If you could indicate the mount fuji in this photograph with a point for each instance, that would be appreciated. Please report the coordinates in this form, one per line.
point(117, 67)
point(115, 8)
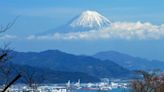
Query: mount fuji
point(86, 21)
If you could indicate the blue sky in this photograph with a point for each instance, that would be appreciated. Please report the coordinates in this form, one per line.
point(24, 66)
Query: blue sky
point(38, 16)
point(51, 13)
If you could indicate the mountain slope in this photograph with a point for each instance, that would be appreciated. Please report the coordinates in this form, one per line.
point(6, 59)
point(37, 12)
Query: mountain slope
point(130, 62)
point(45, 75)
point(86, 21)
point(60, 61)
point(90, 19)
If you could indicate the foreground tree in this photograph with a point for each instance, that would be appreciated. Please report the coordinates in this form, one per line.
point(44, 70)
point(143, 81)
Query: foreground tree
point(32, 78)
point(4, 50)
point(150, 82)
point(6, 71)
point(9, 73)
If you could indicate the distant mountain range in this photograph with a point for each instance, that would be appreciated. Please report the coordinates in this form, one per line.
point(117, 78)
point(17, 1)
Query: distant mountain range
point(59, 66)
point(56, 60)
point(130, 62)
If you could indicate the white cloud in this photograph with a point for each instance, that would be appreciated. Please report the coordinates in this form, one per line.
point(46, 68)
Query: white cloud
point(117, 30)
point(138, 30)
point(7, 37)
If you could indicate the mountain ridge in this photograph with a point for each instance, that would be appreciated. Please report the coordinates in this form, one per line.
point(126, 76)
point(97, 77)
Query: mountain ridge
point(61, 61)
point(130, 62)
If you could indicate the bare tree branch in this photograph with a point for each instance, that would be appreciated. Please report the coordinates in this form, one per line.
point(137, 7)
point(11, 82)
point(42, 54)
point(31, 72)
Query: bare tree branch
point(8, 26)
point(150, 82)
point(4, 53)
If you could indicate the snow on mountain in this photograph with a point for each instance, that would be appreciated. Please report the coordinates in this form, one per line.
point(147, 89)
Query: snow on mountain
point(86, 21)
point(90, 19)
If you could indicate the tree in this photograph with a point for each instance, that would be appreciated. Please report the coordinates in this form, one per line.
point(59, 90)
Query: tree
point(150, 82)
point(32, 78)
point(4, 52)
point(8, 26)
point(5, 68)
point(6, 72)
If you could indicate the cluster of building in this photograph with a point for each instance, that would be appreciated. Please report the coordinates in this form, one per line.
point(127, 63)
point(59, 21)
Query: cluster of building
point(105, 85)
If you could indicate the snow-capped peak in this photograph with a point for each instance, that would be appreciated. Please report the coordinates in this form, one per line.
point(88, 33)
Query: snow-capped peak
point(90, 19)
